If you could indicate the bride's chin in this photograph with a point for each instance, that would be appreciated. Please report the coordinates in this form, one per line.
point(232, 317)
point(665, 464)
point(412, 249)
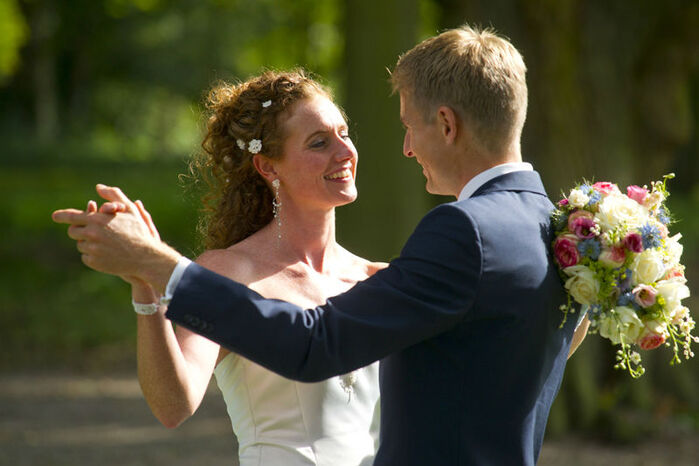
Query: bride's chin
point(347, 198)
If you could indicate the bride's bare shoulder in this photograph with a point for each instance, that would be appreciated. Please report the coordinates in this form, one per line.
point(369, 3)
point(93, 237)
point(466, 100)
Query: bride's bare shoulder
point(366, 266)
point(373, 267)
point(236, 262)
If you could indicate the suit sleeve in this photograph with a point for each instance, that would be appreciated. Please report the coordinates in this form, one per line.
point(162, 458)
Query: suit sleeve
point(425, 291)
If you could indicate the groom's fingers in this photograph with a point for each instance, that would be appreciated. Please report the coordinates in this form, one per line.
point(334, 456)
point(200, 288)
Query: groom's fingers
point(70, 216)
point(77, 232)
point(113, 208)
point(148, 219)
point(114, 194)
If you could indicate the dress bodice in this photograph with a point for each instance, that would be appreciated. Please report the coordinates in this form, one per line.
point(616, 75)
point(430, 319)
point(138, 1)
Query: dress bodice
point(279, 421)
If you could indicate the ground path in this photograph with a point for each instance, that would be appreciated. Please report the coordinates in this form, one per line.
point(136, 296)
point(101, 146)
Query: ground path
point(68, 419)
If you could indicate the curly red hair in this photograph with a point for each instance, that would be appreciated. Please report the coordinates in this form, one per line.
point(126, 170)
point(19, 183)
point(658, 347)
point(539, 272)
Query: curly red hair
point(238, 201)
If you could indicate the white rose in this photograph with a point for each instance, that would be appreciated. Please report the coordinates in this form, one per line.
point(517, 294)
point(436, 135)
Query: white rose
point(617, 210)
point(674, 249)
point(657, 327)
point(578, 198)
point(621, 321)
point(582, 285)
point(673, 291)
point(647, 267)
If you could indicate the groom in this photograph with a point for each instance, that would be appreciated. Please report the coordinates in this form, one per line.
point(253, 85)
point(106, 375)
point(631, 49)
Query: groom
point(465, 321)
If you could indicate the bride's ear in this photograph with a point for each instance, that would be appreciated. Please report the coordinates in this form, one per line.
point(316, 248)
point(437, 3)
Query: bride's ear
point(265, 167)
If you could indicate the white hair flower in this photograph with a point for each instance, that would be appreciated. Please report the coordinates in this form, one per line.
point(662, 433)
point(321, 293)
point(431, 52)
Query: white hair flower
point(255, 146)
point(241, 144)
point(266, 103)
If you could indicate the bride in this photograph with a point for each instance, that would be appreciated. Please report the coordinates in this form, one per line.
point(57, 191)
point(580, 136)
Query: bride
point(278, 159)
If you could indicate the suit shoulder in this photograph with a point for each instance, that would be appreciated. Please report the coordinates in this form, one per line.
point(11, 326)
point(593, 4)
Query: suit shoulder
point(457, 209)
point(446, 227)
point(454, 214)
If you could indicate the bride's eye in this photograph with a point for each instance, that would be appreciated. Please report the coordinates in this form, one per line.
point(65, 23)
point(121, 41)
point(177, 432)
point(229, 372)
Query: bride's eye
point(317, 144)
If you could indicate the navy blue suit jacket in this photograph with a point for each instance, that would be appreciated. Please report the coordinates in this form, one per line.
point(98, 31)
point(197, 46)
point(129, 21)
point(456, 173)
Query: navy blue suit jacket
point(465, 322)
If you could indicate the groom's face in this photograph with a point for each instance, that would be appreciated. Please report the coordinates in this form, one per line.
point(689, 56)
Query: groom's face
point(422, 141)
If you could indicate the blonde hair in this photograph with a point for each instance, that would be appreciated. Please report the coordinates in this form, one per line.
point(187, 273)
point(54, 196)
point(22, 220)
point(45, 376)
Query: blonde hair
point(238, 201)
point(477, 73)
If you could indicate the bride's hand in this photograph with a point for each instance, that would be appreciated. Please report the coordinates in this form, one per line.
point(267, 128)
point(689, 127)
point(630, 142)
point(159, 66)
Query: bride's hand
point(140, 288)
point(116, 207)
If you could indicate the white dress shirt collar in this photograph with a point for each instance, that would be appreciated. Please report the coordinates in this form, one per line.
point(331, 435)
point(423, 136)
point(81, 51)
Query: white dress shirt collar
point(493, 172)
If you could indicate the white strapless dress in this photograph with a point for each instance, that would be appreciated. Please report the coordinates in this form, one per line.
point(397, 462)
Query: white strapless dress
point(280, 422)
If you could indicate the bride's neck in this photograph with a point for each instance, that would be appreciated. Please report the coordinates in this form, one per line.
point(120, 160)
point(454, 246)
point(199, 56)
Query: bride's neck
point(307, 236)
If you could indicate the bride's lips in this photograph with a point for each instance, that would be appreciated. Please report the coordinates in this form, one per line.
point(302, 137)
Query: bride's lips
point(340, 176)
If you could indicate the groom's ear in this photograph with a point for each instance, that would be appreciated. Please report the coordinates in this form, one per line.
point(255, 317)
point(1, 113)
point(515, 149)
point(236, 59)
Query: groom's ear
point(264, 167)
point(448, 123)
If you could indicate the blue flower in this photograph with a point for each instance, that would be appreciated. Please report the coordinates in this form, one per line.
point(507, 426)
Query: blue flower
point(586, 188)
point(595, 197)
point(651, 236)
point(625, 299)
point(589, 248)
point(625, 280)
point(628, 299)
point(663, 217)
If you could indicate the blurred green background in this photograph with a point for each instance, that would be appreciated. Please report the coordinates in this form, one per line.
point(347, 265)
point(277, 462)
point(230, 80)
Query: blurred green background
point(110, 91)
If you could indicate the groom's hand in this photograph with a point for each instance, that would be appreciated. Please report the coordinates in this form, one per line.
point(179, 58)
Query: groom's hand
point(120, 239)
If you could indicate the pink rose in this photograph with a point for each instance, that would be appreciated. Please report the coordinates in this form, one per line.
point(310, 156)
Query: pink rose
point(633, 242)
point(651, 341)
point(565, 250)
point(583, 228)
point(637, 193)
point(674, 272)
point(580, 213)
point(613, 257)
point(652, 335)
point(605, 187)
point(644, 295)
point(563, 202)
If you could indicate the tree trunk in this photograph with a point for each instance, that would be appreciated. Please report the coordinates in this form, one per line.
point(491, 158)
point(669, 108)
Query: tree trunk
point(391, 189)
point(44, 21)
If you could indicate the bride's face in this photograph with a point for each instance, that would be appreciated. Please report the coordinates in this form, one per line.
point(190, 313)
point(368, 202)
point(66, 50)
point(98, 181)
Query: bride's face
point(319, 161)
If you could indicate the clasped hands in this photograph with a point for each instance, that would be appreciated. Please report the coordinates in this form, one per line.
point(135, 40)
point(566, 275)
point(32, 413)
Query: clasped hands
point(120, 238)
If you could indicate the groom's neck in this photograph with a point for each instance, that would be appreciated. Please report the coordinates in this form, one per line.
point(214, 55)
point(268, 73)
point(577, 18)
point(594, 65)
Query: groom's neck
point(475, 163)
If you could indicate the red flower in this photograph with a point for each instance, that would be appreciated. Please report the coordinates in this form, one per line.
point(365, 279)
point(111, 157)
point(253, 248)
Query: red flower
point(634, 242)
point(565, 250)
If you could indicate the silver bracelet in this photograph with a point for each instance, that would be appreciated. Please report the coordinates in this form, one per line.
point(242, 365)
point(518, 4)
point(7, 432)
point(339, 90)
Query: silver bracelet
point(147, 309)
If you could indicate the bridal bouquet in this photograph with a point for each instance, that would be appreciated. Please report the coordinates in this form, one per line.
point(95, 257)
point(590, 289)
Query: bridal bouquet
point(619, 262)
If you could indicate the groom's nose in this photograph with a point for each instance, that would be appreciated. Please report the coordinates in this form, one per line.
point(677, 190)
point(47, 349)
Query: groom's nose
point(407, 151)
